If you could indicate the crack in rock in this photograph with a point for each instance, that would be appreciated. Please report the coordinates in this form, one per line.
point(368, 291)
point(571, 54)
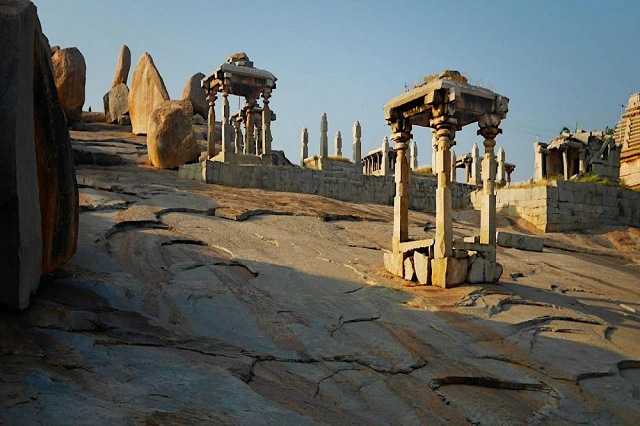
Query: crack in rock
point(134, 225)
point(350, 321)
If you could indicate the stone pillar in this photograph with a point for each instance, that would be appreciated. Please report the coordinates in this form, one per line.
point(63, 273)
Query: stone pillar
point(257, 123)
point(249, 128)
point(266, 123)
point(324, 137)
point(304, 142)
point(338, 144)
point(357, 143)
point(414, 155)
point(226, 128)
point(401, 135)
point(384, 166)
point(444, 125)
point(583, 166)
point(565, 163)
point(237, 135)
point(212, 94)
point(500, 177)
point(434, 154)
point(454, 176)
point(489, 130)
point(476, 177)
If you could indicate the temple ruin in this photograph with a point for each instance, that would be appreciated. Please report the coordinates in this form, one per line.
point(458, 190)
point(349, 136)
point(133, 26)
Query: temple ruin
point(445, 103)
point(237, 76)
point(571, 154)
point(471, 164)
point(628, 136)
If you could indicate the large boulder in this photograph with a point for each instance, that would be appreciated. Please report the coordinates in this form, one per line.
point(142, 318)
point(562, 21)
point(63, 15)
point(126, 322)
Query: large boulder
point(122, 67)
point(116, 103)
point(171, 141)
point(195, 93)
point(38, 192)
point(146, 93)
point(70, 73)
point(21, 242)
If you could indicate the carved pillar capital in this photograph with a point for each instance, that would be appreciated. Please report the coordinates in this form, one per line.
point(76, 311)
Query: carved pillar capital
point(401, 128)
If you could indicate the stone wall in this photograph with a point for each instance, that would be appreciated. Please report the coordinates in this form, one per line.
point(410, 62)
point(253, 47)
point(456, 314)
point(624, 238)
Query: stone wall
point(565, 205)
point(340, 184)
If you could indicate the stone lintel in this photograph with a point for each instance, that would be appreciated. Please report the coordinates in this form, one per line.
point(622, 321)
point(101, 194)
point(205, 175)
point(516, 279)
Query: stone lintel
point(410, 246)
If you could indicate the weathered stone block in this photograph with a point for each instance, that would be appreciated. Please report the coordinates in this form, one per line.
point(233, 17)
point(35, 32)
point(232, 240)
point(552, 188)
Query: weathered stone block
point(409, 271)
point(422, 266)
point(394, 263)
point(519, 241)
point(448, 272)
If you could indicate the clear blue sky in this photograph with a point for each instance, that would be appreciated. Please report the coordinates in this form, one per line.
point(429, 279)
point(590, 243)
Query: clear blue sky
point(559, 61)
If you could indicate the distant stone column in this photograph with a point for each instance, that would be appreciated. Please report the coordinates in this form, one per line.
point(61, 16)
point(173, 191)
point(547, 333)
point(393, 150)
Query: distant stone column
point(266, 123)
point(324, 137)
point(539, 162)
point(338, 144)
point(565, 163)
point(304, 142)
point(249, 128)
point(454, 174)
point(489, 130)
point(357, 143)
point(212, 95)
point(226, 127)
point(444, 124)
point(384, 167)
point(583, 167)
point(476, 177)
point(500, 176)
point(401, 135)
point(237, 136)
point(414, 155)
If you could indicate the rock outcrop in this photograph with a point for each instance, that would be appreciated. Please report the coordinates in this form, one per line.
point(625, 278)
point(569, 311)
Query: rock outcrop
point(147, 91)
point(122, 67)
point(38, 191)
point(195, 93)
point(70, 73)
point(21, 242)
point(171, 141)
point(116, 103)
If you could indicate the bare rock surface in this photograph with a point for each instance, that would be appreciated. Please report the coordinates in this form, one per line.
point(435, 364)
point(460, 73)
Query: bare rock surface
point(147, 91)
point(171, 141)
point(70, 73)
point(194, 93)
point(189, 303)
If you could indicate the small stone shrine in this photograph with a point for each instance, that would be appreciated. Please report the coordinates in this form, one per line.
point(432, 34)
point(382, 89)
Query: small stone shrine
point(445, 103)
point(238, 77)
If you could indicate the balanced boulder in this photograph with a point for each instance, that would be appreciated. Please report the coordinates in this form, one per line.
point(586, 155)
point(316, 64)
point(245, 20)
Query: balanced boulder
point(116, 103)
point(195, 93)
point(147, 91)
point(122, 67)
point(171, 141)
point(70, 73)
